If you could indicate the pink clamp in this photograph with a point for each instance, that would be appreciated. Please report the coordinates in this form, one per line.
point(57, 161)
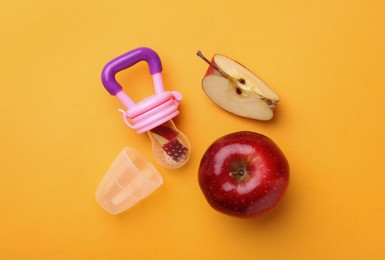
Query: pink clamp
point(151, 111)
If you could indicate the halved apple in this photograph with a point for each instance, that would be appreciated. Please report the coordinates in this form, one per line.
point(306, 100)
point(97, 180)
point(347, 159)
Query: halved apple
point(237, 90)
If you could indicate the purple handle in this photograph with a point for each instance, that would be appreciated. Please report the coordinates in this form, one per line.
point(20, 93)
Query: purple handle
point(125, 61)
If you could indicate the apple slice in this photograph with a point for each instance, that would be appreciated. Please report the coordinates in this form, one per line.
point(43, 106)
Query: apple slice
point(237, 90)
point(165, 132)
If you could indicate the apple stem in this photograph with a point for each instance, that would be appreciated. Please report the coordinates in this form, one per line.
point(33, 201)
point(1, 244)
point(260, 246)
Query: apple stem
point(200, 54)
point(238, 174)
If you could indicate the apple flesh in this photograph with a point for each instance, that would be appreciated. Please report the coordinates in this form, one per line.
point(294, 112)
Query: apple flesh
point(237, 90)
point(243, 174)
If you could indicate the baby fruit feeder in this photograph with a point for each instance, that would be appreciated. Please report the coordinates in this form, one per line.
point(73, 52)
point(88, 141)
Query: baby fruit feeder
point(131, 177)
point(153, 114)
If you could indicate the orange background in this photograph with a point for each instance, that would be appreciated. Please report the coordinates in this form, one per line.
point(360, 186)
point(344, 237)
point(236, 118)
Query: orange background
point(60, 129)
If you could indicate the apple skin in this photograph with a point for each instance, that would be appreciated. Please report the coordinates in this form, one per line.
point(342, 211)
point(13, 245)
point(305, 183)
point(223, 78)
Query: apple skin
point(211, 70)
point(243, 174)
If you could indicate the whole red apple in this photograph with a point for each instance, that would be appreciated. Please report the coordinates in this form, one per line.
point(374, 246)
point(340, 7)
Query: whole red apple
point(243, 174)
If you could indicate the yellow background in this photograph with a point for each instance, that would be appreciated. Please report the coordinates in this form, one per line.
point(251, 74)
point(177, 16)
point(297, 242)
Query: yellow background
point(60, 129)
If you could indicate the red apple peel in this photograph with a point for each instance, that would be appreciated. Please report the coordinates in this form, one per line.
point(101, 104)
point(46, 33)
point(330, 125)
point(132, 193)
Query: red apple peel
point(243, 174)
